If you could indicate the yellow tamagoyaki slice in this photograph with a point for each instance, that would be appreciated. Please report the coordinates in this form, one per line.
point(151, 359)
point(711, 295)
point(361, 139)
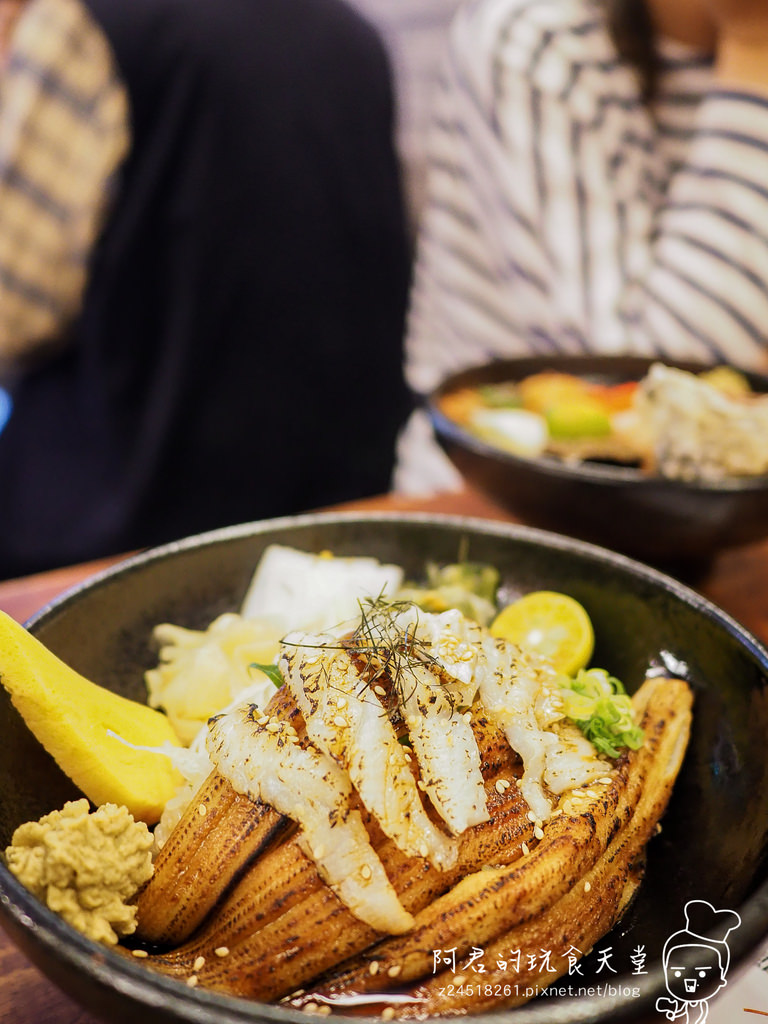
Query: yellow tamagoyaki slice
point(73, 719)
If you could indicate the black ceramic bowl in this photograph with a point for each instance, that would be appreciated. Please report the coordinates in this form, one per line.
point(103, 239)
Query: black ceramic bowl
point(660, 521)
point(713, 843)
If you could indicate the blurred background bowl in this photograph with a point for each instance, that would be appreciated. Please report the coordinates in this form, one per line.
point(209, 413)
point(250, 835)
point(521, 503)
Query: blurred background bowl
point(669, 523)
point(715, 835)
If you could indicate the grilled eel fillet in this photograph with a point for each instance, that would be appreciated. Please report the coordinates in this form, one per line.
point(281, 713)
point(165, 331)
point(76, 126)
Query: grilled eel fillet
point(269, 924)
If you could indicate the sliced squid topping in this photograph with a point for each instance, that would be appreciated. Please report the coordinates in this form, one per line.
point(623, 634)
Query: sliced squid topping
point(346, 720)
point(262, 758)
point(446, 749)
point(437, 690)
point(520, 694)
point(450, 643)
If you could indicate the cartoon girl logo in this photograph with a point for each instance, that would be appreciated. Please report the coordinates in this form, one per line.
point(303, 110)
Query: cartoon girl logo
point(696, 961)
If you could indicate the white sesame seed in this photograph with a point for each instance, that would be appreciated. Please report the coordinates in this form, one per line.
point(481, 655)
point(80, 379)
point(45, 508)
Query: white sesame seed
point(192, 980)
point(140, 953)
point(202, 810)
point(341, 703)
point(388, 1013)
point(499, 787)
point(531, 816)
point(538, 832)
point(606, 780)
point(263, 720)
point(273, 727)
point(373, 967)
point(365, 871)
point(198, 964)
point(221, 951)
point(380, 690)
point(339, 722)
point(587, 886)
point(524, 848)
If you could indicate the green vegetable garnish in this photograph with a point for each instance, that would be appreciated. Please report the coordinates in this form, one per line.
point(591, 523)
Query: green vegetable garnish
point(599, 705)
point(272, 671)
point(468, 586)
point(583, 417)
point(501, 396)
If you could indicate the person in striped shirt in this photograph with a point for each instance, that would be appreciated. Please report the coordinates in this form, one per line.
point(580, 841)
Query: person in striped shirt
point(598, 182)
point(414, 31)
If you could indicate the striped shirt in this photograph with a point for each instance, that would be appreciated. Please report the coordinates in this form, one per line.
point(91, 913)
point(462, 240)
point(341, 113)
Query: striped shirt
point(415, 32)
point(564, 217)
point(64, 130)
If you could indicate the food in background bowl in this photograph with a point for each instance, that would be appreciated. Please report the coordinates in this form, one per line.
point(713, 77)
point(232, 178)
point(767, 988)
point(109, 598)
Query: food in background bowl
point(678, 522)
point(708, 426)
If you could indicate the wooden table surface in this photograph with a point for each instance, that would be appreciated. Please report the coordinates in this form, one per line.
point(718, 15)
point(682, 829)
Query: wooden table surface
point(737, 581)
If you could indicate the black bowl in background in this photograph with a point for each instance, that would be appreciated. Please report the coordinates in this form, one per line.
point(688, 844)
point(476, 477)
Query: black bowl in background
point(666, 522)
point(715, 836)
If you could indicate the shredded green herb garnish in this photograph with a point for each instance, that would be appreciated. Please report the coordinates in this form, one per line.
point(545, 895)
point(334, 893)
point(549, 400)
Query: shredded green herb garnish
point(599, 705)
point(384, 647)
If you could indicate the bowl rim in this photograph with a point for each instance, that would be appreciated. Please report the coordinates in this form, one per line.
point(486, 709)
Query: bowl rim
point(34, 925)
point(586, 470)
